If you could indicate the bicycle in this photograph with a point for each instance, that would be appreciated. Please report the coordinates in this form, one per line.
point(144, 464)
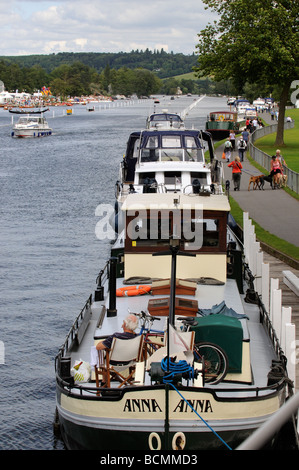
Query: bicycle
point(212, 356)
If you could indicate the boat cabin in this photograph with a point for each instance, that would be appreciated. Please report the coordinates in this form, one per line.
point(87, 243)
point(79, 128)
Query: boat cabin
point(168, 160)
point(198, 224)
point(223, 116)
point(28, 121)
point(164, 120)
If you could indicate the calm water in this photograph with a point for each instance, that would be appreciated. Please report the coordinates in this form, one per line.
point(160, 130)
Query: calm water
point(50, 256)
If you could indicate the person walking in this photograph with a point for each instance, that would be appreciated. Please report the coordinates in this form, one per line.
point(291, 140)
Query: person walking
point(232, 138)
point(236, 172)
point(228, 149)
point(245, 135)
point(241, 145)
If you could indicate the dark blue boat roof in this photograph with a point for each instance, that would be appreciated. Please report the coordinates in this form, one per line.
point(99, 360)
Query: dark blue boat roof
point(165, 117)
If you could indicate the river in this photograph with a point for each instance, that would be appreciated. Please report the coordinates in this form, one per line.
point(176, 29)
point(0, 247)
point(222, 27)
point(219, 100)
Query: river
point(50, 256)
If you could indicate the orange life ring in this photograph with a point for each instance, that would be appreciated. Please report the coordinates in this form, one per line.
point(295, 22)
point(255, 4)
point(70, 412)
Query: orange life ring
point(132, 290)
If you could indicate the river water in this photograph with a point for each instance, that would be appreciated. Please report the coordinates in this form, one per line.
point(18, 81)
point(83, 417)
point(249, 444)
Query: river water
point(50, 256)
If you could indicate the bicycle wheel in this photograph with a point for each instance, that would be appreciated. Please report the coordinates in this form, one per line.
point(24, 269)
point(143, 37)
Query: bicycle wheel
point(215, 361)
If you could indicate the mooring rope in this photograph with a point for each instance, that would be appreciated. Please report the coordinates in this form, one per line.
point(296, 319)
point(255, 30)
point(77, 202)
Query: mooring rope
point(179, 368)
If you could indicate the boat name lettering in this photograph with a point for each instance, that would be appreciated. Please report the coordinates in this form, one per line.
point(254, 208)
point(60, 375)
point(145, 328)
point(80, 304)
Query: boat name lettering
point(150, 405)
point(203, 406)
point(142, 405)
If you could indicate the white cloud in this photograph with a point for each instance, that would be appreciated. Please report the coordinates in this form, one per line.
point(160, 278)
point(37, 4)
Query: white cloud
point(43, 26)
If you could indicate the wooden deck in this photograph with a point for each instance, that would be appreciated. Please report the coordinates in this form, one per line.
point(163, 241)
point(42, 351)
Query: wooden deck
point(289, 298)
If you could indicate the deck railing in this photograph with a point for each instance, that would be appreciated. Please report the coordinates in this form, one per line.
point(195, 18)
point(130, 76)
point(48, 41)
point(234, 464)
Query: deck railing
point(283, 331)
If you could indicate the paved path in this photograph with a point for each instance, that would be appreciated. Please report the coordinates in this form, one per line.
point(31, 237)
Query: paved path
point(274, 210)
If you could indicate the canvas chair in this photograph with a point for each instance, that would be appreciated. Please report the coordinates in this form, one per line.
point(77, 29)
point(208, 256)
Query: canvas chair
point(123, 355)
point(187, 337)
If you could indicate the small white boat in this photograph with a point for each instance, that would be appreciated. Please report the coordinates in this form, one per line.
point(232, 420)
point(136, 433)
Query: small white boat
point(31, 125)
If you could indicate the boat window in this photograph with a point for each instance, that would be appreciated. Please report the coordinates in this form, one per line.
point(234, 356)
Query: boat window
point(172, 177)
point(198, 175)
point(143, 177)
point(171, 141)
point(136, 148)
point(193, 153)
point(144, 232)
point(171, 148)
point(150, 152)
point(207, 233)
point(149, 232)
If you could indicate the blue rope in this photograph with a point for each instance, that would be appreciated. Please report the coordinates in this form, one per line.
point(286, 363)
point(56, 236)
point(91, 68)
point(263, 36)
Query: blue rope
point(182, 367)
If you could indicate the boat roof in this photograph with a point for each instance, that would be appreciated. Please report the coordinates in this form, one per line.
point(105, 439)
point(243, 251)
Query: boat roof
point(190, 132)
point(224, 112)
point(171, 201)
point(241, 100)
point(165, 117)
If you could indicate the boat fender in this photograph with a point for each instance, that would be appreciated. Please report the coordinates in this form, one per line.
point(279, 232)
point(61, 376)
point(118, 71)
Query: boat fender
point(154, 437)
point(132, 290)
point(178, 441)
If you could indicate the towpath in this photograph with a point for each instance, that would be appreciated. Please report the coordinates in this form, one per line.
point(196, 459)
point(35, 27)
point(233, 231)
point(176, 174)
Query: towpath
point(274, 210)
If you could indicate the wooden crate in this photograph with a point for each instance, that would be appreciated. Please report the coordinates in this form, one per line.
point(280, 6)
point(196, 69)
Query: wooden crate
point(183, 307)
point(162, 287)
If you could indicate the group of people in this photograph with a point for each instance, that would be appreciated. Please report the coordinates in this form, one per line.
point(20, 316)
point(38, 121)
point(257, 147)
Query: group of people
point(277, 163)
point(230, 145)
point(253, 124)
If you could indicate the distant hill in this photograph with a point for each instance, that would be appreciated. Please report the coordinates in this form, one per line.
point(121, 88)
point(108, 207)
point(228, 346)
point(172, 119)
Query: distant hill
point(162, 63)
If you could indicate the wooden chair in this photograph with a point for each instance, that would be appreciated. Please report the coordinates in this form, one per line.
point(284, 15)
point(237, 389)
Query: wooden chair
point(124, 354)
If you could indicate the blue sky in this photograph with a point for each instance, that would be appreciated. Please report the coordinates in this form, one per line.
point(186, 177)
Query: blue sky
point(46, 27)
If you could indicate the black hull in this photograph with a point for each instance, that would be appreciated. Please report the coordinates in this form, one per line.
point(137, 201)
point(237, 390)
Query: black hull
point(79, 437)
point(220, 134)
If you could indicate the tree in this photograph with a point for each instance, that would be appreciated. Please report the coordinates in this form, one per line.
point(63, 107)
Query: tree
point(254, 42)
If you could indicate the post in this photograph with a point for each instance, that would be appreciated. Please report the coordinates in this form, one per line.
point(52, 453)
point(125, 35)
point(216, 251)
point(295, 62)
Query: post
point(286, 317)
point(265, 286)
point(112, 311)
point(274, 284)
point(277, 298)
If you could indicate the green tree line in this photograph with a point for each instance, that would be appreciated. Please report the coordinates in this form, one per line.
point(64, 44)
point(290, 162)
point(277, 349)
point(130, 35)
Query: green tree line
point(163, 64)
point(79, 79)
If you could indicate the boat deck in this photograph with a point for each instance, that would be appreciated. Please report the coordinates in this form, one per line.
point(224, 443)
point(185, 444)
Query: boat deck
point(257, 350)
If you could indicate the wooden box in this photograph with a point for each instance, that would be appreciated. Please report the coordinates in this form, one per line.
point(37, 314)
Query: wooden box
point(162, 287)
point(183, 307)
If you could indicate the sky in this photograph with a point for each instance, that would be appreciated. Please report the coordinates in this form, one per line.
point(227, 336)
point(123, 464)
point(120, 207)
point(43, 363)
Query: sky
point(47, 27)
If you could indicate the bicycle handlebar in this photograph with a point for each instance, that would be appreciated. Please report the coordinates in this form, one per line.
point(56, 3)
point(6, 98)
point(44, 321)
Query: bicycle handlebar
point(145, 316)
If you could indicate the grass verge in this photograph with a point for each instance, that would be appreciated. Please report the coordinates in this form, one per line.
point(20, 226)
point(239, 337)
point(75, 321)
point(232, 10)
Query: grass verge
point(263, 235)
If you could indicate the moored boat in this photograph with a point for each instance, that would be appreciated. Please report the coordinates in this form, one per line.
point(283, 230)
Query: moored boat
point(167, 157)
point(205, 372)
point(220, 123)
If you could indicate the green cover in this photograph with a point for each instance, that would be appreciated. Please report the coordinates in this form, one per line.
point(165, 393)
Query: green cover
point(224, 331)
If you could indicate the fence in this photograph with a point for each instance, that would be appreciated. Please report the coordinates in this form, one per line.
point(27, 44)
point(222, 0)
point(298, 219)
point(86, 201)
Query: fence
point(271, 296)
point(265, 160)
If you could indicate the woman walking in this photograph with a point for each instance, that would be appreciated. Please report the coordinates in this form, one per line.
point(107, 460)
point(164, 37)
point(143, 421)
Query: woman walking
point(237, 172)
